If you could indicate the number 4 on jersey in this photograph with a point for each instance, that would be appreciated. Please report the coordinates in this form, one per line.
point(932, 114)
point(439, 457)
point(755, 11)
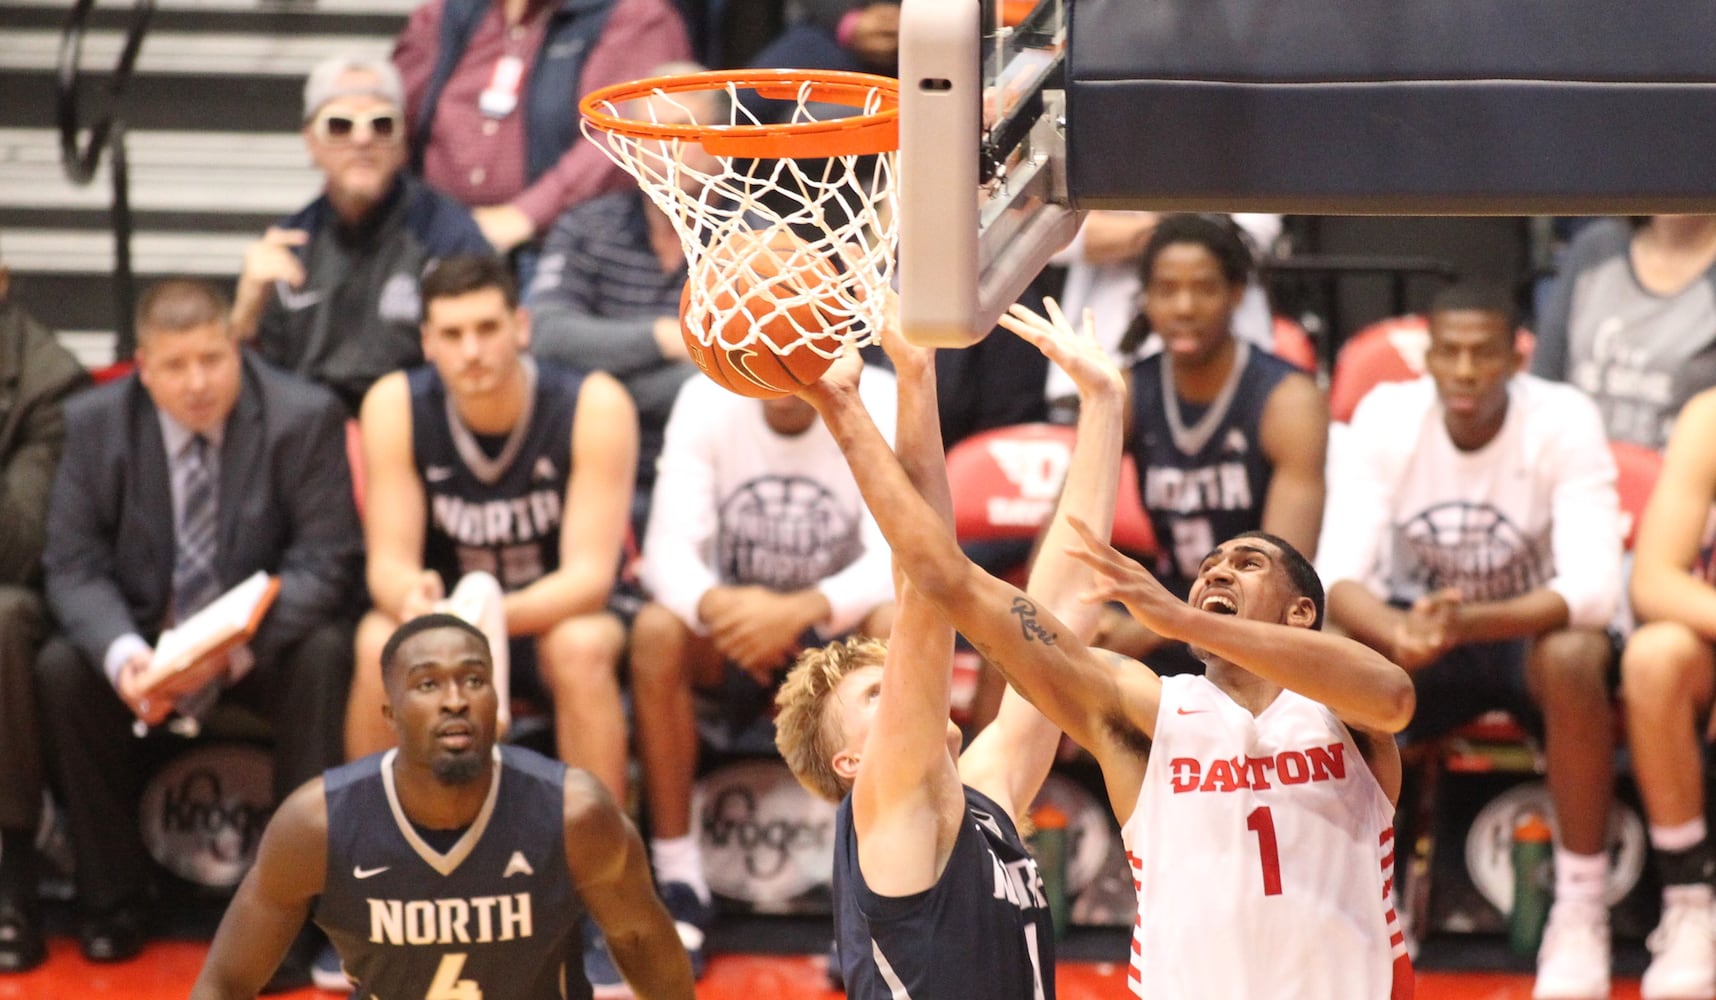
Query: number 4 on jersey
point(447, 984)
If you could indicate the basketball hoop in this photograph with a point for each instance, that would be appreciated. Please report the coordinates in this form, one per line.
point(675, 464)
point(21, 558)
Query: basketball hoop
point(823, 182)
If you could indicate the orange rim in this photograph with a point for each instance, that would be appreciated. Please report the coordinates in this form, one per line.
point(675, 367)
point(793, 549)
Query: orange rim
point(858, 134)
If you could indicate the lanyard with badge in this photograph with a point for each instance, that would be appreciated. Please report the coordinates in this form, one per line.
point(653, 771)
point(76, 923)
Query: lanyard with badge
point(500, 97)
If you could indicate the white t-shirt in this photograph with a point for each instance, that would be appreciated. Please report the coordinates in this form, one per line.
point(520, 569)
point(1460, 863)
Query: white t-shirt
point(736, 503)
point(1409, 513)
point(1262, 848)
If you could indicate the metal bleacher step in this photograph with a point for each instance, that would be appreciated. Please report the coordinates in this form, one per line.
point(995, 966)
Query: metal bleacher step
point(171, 171)
point(212, 141)
point(191, 53)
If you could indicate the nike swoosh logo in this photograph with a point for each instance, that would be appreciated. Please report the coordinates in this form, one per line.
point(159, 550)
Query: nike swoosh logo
point(361, 872)
point(437, 473)
point(1195, 711)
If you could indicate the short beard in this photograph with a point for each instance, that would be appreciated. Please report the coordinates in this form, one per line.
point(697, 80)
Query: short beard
point(457, 769)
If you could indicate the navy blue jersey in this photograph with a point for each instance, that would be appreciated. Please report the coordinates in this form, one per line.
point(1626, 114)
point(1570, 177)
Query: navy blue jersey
point(1201, 471)
point(982, 932)
point(497, 910)
point(499, 514)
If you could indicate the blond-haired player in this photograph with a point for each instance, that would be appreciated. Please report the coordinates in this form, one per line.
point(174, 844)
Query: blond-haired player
point(935, 894)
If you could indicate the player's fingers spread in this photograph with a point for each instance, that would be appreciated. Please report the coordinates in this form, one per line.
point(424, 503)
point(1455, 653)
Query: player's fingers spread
point(1058, 318)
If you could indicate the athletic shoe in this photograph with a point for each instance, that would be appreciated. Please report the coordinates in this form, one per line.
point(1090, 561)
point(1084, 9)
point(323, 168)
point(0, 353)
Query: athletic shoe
point(1573, 961)
point(328, 973)
point(692, 918)
point(1683, 951)
point(606, 983)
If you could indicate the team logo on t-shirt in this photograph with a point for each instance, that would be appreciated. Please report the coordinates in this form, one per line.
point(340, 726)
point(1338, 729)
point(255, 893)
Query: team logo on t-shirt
point(1472, 547)
point(784, 533)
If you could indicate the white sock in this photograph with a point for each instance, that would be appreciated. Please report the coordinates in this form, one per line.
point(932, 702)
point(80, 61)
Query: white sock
point(679, 859)
point(1678, 837)
point(1579, 878)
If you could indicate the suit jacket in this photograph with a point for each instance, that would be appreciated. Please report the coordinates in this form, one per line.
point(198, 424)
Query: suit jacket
point(284, 506)
point(36, 375)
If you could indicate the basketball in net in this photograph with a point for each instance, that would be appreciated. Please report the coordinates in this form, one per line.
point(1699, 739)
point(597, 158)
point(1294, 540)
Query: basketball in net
point(773, 293)
point(788, 229)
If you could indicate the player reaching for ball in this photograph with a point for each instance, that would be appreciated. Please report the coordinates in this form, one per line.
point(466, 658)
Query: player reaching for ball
point(1256, 801)
point(930, 872)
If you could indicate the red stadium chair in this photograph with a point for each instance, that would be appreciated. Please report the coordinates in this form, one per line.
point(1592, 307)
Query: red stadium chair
point(113, 372)
point(1389, 350)
point(1293, 344)
point(1005, 483)
point(1636, 470)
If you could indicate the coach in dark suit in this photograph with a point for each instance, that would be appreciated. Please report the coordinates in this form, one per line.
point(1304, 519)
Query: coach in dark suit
point(177, 483)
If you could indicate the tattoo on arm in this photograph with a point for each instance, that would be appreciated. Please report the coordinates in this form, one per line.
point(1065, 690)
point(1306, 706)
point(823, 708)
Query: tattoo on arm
point(1033, 630)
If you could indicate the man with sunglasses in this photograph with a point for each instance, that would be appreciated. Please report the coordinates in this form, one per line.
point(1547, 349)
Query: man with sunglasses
point(331, 292)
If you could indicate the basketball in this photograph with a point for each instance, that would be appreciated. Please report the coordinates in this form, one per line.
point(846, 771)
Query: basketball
point(772, 283)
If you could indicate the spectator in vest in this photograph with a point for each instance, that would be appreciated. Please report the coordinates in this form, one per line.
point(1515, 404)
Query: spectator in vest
point(492, 90)
point(36, 376)
point(331, 292)
point(606, 291)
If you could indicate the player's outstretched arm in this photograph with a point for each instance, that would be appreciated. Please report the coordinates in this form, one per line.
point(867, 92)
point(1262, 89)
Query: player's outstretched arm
point(906, 800)
point(611, 872)
point(272, 902)
point(1099, 704)
point(597, 513)
point(1009, 760)
point(1357, 683)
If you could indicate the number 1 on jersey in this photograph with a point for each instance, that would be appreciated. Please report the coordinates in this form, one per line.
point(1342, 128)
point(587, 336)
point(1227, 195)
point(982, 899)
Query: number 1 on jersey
point(1262, 823)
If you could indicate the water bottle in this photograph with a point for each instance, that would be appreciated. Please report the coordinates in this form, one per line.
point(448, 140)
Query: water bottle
point(1533, 858)
point(1049, 846)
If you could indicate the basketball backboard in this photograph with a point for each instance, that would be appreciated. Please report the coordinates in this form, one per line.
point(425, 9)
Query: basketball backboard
point(1016, 114)
point(983, 200)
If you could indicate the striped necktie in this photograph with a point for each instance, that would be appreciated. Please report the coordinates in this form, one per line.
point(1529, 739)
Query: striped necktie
point(195, 582)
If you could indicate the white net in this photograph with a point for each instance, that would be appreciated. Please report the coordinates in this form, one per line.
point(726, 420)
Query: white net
point(794, 252)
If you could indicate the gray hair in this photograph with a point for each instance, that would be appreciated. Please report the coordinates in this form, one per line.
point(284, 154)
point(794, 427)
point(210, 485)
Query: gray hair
point(326, 82)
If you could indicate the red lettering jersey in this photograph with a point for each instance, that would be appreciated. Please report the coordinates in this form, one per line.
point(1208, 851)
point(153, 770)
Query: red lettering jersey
point(1262, 849)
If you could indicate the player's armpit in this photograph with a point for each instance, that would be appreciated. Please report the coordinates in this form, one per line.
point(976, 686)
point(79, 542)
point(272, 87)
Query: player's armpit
point(1382, 754)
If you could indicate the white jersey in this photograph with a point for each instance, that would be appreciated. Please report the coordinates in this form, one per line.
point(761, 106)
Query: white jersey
point(1262, 849)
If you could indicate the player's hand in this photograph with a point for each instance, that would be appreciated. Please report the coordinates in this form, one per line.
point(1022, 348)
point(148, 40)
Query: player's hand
point(909, 359)
point(1075, 351)
point(841, 379)
point(762, 630)
point(1427, 630)
point(205, 671)
point(150, 706)
point(503, 226)
point(876, 35)
point(1121, 578)
point(423, 597)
